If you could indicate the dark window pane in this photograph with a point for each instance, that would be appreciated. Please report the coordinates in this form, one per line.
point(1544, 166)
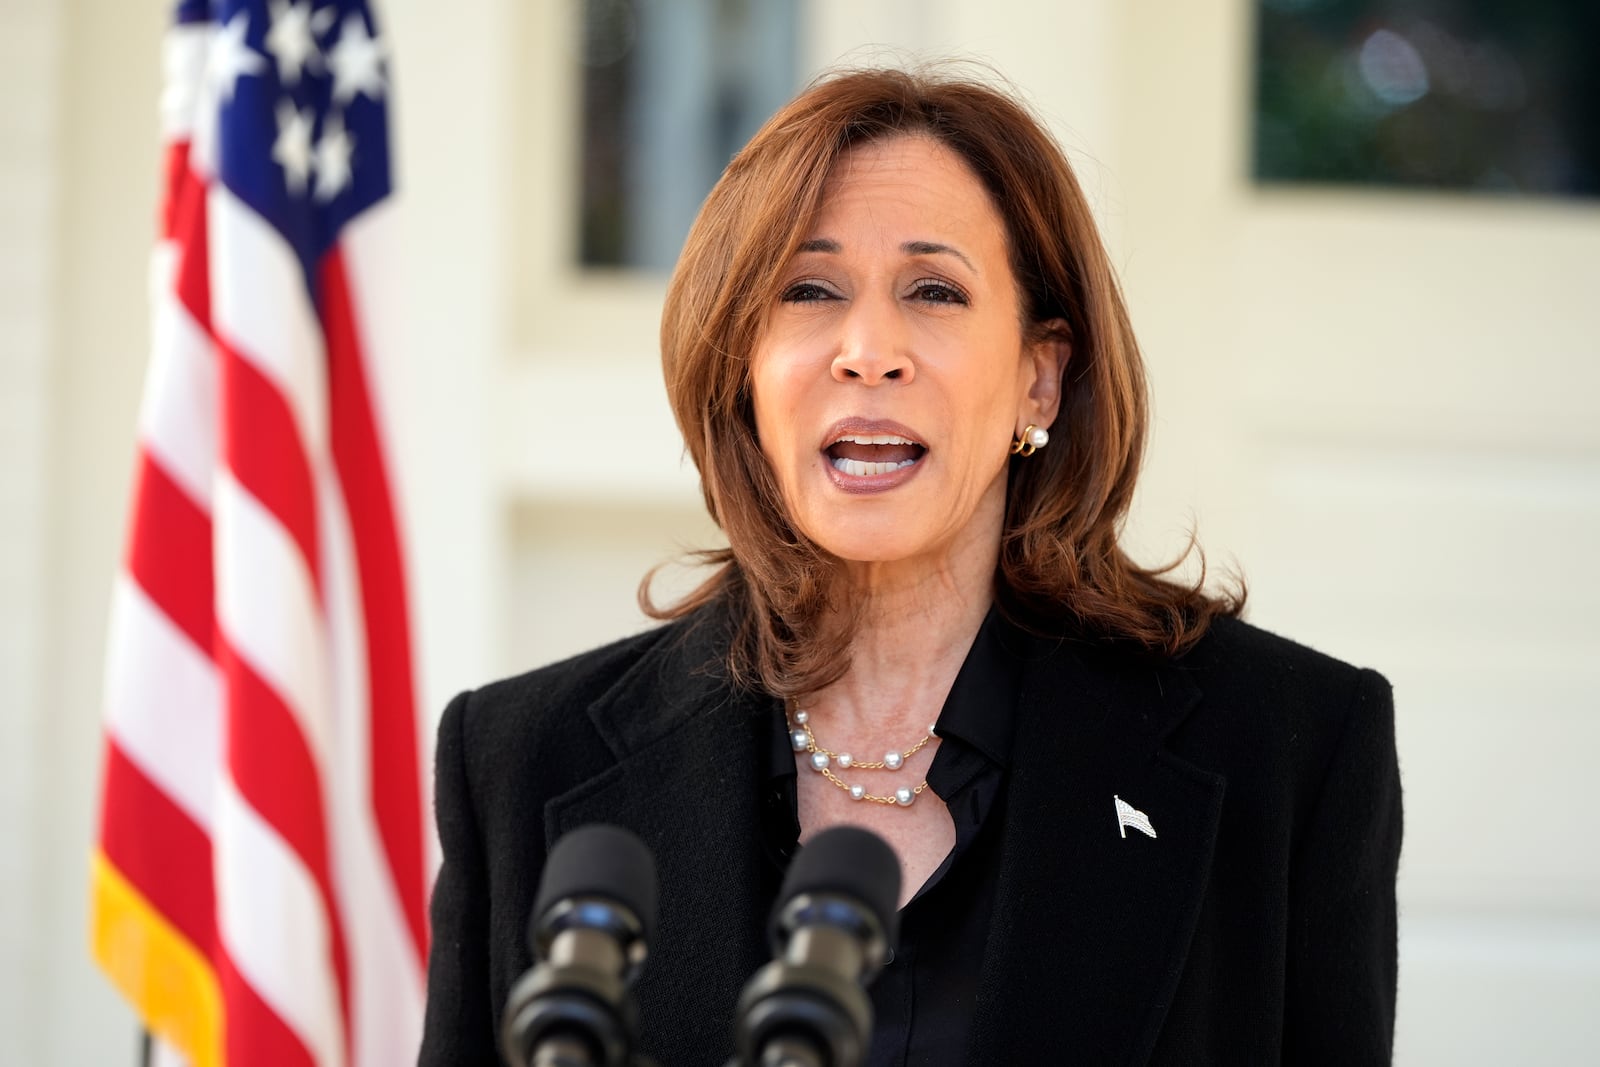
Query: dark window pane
point(671, 89)
point(1493, 95)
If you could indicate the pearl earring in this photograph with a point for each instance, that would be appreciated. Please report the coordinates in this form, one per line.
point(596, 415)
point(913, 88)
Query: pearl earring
point(1030, 440)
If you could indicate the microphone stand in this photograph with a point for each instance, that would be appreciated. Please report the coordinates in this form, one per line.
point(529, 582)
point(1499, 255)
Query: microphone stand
point(590, 932)
point(566, 1052)
point(561, 1052)
point(785, 1052)
point(831, 933)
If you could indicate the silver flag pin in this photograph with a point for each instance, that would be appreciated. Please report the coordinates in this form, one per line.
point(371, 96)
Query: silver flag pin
point(1128, 815)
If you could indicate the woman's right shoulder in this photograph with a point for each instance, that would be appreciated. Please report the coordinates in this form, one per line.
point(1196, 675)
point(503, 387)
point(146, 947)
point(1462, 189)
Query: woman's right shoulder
point(547, 706)
point(576, 680)
point(504, 746)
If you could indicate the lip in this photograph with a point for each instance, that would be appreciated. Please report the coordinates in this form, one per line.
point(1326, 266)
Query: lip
point(869, 483)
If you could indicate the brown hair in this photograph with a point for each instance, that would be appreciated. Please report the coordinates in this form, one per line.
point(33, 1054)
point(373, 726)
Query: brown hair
point(1061, 568)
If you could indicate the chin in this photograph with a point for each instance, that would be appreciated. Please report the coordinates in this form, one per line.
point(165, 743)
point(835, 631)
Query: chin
point(866, 557)
point(872, 542)
point(860, 549)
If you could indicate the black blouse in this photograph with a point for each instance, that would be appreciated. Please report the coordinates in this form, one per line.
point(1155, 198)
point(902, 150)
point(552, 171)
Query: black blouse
point(923, 1000)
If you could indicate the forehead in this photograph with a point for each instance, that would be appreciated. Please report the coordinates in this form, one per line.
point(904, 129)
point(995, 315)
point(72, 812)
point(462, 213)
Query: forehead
point(909, 188)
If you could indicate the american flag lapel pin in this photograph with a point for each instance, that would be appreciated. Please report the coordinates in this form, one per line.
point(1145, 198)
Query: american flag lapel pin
point(1128, 815)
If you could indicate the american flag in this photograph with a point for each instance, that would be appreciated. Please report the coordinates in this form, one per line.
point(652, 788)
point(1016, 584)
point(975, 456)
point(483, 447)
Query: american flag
point(259, 882)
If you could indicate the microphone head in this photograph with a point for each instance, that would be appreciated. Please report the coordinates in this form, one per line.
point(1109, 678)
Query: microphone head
point(842, 862)
point(596, 863)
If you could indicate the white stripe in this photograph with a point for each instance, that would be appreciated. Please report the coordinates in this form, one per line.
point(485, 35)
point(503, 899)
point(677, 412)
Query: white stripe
point(267, 609)
point(260, 307)
point(178, 418)
point(272, 921)
point(163, 701)
point(372, 266)
point(184, 54)
point(369, 245)
point(386, 976)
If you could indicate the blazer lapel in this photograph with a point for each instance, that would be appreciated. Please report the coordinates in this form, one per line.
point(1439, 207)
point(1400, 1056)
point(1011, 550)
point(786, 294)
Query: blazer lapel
point(1092, 923)
point(685, 782)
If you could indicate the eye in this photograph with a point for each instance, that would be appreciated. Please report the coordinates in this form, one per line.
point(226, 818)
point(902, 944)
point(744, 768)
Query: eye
point(933, 291)
point(806, 292)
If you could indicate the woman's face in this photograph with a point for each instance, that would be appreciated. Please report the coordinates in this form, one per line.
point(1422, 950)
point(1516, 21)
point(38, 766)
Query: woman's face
point(892, 372)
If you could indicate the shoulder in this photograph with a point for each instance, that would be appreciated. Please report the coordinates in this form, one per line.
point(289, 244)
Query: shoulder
point(537, 725)
point(1279, 714)
point(574, 682)
point(1237, 656)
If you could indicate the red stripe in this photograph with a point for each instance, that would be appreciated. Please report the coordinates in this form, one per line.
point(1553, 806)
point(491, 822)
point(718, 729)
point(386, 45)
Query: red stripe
point(169, 550)
point(159, 849)
point(253, 1033)
point(177, 174)
point(273, 767)
point(262, 445)
point(187, 219)
point(359, 462)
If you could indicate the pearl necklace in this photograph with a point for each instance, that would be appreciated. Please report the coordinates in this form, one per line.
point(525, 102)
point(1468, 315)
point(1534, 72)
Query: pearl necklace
point(823, 761)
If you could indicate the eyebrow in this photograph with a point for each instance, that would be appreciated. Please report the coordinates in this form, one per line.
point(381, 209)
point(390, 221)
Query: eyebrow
point(910, 248)
point(933, 248)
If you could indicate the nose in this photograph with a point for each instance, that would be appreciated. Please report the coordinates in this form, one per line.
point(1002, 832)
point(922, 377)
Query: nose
point(874, 347)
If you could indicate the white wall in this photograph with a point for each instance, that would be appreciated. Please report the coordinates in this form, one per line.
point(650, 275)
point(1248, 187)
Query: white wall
point(29, 38)
point(80, 167)
point(1382, 405)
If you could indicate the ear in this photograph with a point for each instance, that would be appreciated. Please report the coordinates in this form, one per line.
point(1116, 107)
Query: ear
point(1045, 358)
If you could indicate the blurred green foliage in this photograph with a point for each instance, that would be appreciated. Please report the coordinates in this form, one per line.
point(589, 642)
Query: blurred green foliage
point(1485, 95)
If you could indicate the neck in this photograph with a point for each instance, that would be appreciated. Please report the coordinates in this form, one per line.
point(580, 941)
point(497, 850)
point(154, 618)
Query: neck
point(916, 620)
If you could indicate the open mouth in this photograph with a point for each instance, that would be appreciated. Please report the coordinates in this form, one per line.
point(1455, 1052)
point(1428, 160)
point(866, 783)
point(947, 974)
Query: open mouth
point(862, 455)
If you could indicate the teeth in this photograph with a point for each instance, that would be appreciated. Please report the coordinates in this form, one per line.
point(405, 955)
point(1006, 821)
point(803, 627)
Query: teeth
point(875, 439)
point(856, 468)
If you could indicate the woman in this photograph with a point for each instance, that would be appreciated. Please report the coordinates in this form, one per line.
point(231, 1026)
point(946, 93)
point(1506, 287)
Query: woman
point(1133, 828)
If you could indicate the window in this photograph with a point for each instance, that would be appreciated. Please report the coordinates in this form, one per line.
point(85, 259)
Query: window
point(1484, 95)
point(671, 90)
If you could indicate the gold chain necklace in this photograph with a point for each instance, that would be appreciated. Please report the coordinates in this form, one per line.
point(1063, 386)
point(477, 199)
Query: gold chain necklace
point(823, 760)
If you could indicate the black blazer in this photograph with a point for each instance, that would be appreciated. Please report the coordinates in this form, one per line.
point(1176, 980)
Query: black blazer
point(1258, 926)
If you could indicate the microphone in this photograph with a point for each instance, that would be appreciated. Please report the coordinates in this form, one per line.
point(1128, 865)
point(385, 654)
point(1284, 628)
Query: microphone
point(591, 927)
point(832, 930)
